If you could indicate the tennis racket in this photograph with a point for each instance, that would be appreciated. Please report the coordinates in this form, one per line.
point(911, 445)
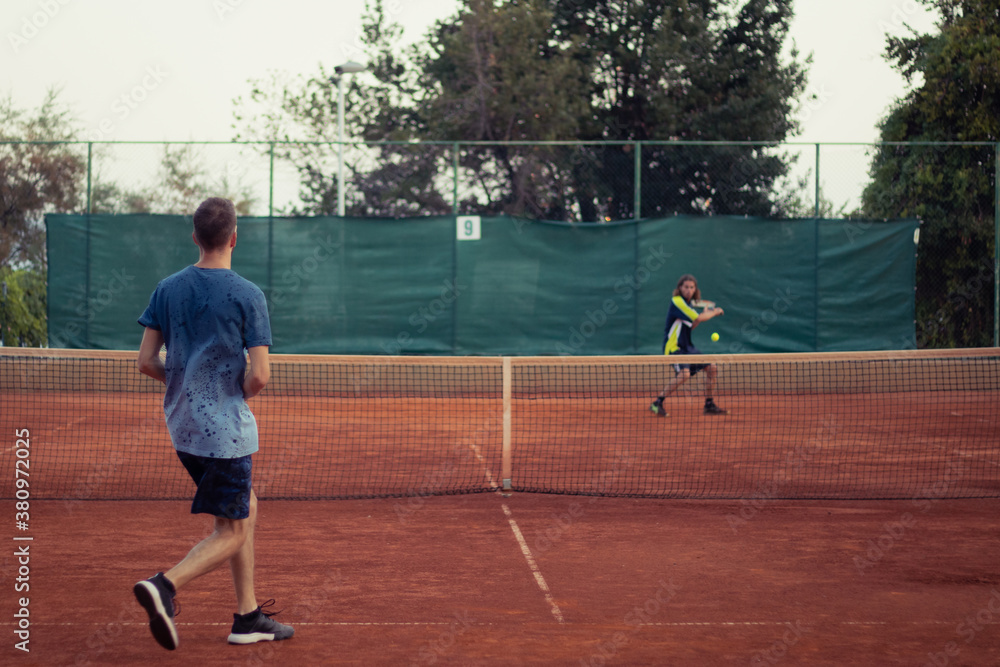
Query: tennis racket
point(703, 303)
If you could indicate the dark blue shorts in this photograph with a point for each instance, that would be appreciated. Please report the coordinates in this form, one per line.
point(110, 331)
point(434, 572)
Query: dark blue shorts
point(693, 368)
point(223, 485)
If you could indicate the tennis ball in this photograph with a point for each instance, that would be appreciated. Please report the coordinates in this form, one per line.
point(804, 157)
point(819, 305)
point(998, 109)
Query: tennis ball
point(715, 336)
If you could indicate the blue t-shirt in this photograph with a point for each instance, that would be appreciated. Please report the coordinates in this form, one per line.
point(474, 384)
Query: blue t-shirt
point(208, 318)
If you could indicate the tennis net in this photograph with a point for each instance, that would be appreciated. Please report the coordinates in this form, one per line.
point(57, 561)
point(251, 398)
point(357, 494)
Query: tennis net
point(917, 424)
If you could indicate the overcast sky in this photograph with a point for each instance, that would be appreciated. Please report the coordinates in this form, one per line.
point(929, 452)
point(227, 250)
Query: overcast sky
point(157, 71)
point(176, 67)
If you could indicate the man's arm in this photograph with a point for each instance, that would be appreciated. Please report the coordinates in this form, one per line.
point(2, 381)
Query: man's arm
point(258, 373)
point(706, 315)
point(149, 362)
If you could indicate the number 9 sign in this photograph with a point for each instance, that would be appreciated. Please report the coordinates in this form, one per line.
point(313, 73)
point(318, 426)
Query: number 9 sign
point(468, 227)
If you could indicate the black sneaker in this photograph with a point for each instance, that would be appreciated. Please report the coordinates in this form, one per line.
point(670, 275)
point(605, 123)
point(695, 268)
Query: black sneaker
point(155, 597)
point(657, 408)
point(258, 626)
point(712, 409)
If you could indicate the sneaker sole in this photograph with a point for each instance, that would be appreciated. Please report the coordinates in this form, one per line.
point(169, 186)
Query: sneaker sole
point(254, 637)
point(160, 624)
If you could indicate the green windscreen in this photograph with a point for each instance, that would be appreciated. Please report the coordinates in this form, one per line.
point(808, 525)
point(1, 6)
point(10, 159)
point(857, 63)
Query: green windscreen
point(514, 287)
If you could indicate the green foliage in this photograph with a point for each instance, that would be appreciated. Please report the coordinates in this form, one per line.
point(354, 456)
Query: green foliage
point(22, 307)
point(553, 70)
point(955, 98)
point(690, 71)
point(35, 178)
point(182, 183)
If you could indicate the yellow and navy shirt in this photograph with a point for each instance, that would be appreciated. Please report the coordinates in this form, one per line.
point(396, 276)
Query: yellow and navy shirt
point(677, 334)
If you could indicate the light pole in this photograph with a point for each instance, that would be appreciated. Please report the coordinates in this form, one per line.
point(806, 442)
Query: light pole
point(350, 67)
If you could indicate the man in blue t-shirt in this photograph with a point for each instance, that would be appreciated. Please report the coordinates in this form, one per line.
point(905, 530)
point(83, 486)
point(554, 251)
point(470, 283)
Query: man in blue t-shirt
point(682, 318)
point(210, 320)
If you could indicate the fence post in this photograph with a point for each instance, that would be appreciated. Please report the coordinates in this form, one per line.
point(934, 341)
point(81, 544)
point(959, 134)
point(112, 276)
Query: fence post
point(90, 164)
point(637, 204)
point(816, 206)
point(996, 247)
point(270, 194)
point(454, 167)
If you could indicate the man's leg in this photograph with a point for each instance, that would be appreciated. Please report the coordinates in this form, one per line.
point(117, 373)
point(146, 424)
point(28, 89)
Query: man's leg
point(675, 384)
point(156, 594)
point(657, 407)
point(253, 623)
point(223, 544)
point(710, 407)
point(709, 380)
point(242, 565)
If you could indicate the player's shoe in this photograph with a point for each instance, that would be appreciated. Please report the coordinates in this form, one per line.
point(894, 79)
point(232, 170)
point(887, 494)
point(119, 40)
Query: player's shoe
point(657, 408)
point(156, 598)
point(258, 626)
point(712, 409)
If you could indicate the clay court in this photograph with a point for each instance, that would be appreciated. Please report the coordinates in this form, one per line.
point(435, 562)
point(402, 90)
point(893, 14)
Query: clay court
point(626, 581)
point(850, 519)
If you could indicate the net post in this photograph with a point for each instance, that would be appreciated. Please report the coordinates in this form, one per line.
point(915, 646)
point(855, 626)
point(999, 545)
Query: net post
point(506, 457)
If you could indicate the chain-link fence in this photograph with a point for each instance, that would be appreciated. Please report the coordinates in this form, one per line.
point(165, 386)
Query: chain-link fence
point(569, 181)
point(951, 187)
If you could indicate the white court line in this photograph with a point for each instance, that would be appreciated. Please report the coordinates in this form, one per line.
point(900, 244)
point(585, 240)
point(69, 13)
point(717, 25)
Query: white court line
point(532, 564)
point(72, 423)
point(486, 468)
point(976, 456)
point(525, 549)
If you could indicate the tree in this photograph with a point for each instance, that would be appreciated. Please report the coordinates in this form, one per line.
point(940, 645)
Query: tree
point(299, 115)
point(35, 178)
point(955, 97)
point(22, 307)
point(702, 70)
point(499, 73)
point(182, 182)
point(549, 70)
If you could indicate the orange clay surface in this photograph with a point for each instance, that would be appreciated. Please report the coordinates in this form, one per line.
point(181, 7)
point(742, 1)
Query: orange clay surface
point(446, 581)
